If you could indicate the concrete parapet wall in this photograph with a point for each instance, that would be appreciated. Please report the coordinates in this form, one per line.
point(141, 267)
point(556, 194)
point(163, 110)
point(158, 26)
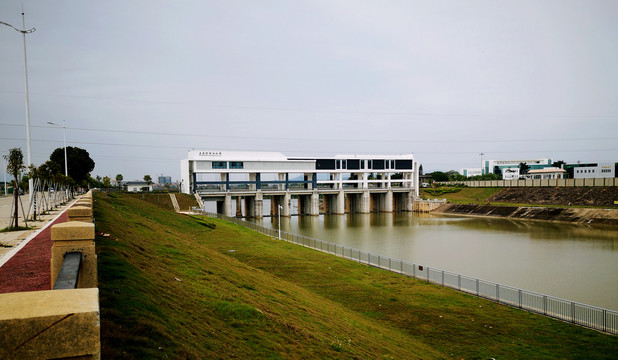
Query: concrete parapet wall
point(75, 236)
point(50, 324)
point(593, 182)
point(80, 212)
point(425, 206)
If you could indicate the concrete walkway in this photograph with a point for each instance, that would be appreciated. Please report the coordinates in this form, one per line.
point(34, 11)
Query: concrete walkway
point(25, 255)
point(9, 240)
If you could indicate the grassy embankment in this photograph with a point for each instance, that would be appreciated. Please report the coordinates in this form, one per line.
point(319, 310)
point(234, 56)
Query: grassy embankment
point(174, 286)
point(463, 195)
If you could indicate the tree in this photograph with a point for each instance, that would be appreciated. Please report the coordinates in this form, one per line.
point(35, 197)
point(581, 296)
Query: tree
point(523, 168)
point(119, 180)
point(420, 170)
point(106, 182)
point(148, 179)
point(78, 160)
point(15, 166)
point(558, 164)
point(439, 176)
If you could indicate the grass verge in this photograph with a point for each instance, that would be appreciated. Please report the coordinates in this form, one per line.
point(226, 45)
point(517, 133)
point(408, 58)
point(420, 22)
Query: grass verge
point(174, 286)
point(19, 228)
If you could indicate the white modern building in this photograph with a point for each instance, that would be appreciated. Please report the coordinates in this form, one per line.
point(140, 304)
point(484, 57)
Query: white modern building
point(470, 172)
point(137, 186)
point(592, 170)
point(546, 173)
point(358, 183)
point(498, 166)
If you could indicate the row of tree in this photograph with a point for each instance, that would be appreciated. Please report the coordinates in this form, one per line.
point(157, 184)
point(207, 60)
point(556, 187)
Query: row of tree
point(52, 171)
point(453, 175)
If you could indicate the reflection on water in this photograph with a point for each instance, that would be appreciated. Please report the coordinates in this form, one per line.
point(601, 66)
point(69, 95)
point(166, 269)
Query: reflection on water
point(575, 262)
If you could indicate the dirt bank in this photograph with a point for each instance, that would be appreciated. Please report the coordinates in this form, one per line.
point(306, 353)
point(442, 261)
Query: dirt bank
point(575, 215)
point(577, 196)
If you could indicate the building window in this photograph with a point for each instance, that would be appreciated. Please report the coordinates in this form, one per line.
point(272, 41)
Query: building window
point(219, 165)
point(236, 165)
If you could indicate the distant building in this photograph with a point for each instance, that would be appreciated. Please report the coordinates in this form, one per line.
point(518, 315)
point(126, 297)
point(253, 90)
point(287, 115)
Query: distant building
point(546, 173)
point(137, 186)
point(470, 172)
point(510, 173)
point(591, 170)
point(498, 166)
point(164, 180)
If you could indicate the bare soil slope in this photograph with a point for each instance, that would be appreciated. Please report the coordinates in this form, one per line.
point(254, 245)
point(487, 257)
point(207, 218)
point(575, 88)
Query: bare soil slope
point(576, 196)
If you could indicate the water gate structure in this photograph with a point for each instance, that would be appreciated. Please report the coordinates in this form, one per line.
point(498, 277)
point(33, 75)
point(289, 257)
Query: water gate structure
point(331, 185)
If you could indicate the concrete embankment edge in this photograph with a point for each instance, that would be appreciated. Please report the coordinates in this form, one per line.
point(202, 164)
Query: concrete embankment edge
point(570, 215)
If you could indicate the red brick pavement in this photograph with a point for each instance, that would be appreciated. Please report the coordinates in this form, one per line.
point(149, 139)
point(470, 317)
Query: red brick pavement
point(30, 268)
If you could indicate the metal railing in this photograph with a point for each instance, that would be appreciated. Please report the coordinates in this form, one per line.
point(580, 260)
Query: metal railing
point(581, 314)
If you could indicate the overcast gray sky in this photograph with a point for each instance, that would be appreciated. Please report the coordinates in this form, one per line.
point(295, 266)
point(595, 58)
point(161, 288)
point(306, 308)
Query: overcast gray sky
point(139, 83)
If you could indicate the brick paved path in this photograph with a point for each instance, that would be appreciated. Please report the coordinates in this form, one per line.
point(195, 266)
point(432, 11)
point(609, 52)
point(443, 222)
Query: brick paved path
point(30, 268)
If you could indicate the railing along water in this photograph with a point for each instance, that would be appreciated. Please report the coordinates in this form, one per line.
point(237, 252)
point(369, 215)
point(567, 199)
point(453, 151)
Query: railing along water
point(581, 314)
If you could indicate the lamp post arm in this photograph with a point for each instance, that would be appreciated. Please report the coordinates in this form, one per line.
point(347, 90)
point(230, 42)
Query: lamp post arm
point(30, 31)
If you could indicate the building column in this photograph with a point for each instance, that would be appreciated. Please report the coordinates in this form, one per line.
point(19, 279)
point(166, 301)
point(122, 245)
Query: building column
point(387, 204)
point(238, 205)
point(224, 178)
point(410, 200)
point(365, 202)
point(415, 179)
point(281, 177)
point(339, 207)
point(287, 204)
point(315, 204)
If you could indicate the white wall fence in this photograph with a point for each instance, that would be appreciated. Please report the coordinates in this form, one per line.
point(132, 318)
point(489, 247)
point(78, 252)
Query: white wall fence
point(581, 314)
point(537, 182)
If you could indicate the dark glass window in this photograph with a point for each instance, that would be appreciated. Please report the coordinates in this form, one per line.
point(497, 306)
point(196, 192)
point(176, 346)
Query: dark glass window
point(378, 164)
point(325, 164)
point(236, 165)
point(403, 164)
point(219, 165)
point(353, 164)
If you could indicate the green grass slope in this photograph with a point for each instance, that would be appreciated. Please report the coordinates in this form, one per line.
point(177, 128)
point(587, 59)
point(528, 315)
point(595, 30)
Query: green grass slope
point(174, 286)
point(464, 195)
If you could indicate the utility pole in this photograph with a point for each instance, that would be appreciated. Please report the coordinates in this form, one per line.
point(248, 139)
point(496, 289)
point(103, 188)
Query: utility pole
point(28, 150)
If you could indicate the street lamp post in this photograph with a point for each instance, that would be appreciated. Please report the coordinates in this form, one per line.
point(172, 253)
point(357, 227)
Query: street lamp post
point(279, 220)
point(481, 162)
point(64, 137)
point(29, 157)
point(4, 171)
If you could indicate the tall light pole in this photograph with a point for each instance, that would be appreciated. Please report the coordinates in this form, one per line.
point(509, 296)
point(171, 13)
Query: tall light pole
point(481, 162)
point(4, 171)
point(64, 136)
point(24, 32)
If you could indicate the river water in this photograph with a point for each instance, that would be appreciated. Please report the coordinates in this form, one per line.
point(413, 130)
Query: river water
point(569, 261)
